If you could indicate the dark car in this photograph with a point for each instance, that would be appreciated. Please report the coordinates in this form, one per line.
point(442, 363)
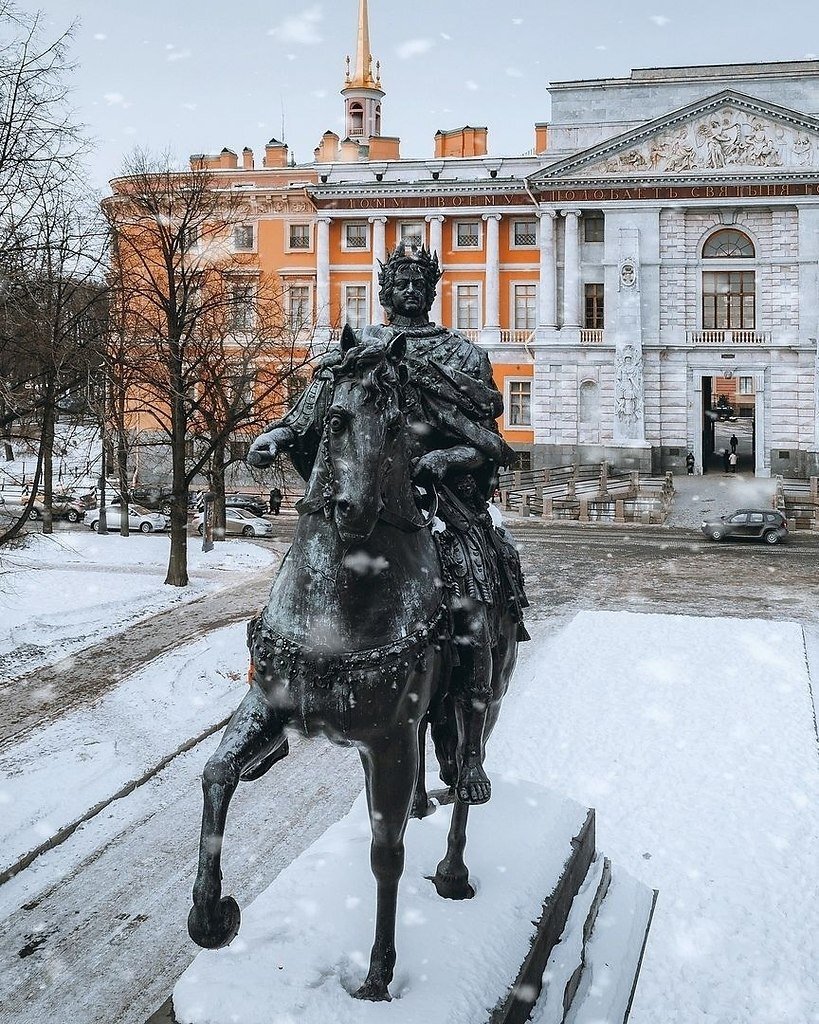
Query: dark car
point(250, 502)
point(748, 524)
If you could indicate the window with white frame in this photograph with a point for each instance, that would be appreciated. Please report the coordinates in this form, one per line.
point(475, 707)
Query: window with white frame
point(524, 234)
point(467, 234)
point(518, 403)
point(243, 238)
point(299, 236)
point(467, 307)
point(355, 305)
point(746, 385)
point(356, 234)
point(524, 302)
point(297, 300)
point(411, 233)
point(242, 305)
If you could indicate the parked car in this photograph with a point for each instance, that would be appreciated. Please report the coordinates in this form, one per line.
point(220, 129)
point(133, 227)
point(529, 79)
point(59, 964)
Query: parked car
point(253, 503)
point(748, 524)
point(139, 518)
point(240, 521)
point(62, 507)
point(152, 497)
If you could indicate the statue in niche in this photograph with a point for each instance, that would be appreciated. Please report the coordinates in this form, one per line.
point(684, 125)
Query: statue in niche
point(628, 388)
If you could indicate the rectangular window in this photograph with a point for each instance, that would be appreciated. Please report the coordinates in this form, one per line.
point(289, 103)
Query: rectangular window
point(467, 234)
point(525, 311)
point(243, 238)
point(594, 227)
point(190, 238)
point(355, 305)
point(728, 300)
point(355, 235)
point(594, 306)
point(467, 307)
point(519, 405)
point(411, 233)
point(242, 305)
point(524, 234)
point(299, 236)
point(298, 306)
point(746, 385)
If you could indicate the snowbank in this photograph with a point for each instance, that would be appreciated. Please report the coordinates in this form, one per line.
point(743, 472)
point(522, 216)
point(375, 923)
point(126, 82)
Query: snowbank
point(694, 740)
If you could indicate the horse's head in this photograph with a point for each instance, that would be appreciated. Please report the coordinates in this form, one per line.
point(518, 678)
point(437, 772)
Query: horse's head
point(362, 448)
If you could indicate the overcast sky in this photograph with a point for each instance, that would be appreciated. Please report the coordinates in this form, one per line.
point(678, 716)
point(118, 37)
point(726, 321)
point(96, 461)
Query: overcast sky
point(197, 76)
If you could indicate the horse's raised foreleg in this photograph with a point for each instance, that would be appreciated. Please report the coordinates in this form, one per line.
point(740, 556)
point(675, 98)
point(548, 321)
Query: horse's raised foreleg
point(391, 771)
point(252, 732)
point(451, 878)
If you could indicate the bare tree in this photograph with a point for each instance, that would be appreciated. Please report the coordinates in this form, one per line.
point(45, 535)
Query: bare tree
point(204, 323)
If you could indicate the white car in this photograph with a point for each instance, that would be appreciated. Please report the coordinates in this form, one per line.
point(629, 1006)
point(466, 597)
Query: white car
point(139, 518)
point(239, 521)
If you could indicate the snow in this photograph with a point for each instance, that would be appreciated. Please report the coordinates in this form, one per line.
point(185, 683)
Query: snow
point(305, 942)
point(694, 740)
point(52, 778)
point(68, 590)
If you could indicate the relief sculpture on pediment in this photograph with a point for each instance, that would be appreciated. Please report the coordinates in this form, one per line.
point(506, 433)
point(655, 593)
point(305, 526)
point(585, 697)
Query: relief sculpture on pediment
point(728, 139)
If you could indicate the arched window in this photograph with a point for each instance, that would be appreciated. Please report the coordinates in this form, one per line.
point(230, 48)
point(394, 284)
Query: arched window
point(728, 293)
point(728, 244)
point(378, 119)
point(589, 409)
point(356, 119)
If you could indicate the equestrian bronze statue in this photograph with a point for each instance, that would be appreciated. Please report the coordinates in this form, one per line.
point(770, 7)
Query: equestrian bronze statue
point(399, 604)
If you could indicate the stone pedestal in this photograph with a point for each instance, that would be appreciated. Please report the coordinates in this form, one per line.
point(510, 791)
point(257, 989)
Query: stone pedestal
point(304, 943)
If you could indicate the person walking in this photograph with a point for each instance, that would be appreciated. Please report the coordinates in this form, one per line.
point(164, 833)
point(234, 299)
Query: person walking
point(734, 442)
point(732, 461)
point(726, 460)
point(275, 501)
point(689, 463)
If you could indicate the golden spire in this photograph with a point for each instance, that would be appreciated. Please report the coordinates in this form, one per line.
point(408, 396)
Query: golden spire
point(362, 75)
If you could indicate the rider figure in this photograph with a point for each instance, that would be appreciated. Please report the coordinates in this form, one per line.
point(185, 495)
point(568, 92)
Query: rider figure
point(452, 405)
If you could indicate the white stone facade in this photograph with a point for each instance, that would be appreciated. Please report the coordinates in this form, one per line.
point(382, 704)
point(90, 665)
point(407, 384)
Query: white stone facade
point(722, 151)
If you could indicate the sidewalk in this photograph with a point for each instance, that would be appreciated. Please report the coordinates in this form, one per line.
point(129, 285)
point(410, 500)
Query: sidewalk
point(699, 497)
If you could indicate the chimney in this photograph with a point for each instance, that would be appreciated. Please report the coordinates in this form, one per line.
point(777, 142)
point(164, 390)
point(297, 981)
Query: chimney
point(384, 147)
point(466, 141)
point(247, 159)
point(349, 152)
point(541, 138)
point(327, 149)
point(275, 154)
point(228, 160)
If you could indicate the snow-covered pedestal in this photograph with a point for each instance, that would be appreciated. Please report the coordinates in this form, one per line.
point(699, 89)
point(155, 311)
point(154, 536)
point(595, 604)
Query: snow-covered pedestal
point(304, 943)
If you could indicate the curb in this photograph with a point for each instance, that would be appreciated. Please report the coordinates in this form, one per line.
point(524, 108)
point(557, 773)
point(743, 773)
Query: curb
point(6, 874)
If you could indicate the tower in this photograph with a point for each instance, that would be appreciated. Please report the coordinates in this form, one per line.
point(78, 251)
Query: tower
point(362, 90)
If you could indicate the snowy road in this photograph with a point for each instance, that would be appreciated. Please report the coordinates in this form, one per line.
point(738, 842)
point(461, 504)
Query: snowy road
point(94, 932)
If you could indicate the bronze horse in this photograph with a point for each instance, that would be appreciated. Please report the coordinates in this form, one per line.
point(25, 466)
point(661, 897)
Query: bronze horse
point(355, 642)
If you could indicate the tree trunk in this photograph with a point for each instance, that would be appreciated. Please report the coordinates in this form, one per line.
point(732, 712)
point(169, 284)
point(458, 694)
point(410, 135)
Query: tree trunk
point(217, 485)
point(47, 445)
point(178, 561)
point(122, 465)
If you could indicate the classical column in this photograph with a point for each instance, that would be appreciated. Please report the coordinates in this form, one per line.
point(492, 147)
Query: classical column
point(571, 269)
point(492, 321)
point(436, 245)
point(323, 276)
point(379, 256)
point(547, 292)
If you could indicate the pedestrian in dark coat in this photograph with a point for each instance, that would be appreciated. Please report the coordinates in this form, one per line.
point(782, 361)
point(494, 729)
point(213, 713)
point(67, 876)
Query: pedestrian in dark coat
point(689, 463)
point(734, 442)
point(726, 460)
point(275, 501)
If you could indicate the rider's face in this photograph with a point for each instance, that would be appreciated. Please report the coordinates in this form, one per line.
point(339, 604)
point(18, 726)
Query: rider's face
point(409, 294)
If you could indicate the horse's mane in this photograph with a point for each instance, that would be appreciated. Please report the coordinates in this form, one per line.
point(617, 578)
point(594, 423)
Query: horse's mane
point(373, 365)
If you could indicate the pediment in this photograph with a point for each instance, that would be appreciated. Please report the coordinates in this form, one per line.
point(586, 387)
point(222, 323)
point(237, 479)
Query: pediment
point(728, 133)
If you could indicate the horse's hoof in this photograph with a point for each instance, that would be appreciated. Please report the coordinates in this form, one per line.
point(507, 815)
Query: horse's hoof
point(219, 930)
point(422, 808)
point(452, 887)
point(374, 991)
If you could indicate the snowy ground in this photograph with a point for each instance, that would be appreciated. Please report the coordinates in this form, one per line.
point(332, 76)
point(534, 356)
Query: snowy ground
point(63, 592)
point(693, 738)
